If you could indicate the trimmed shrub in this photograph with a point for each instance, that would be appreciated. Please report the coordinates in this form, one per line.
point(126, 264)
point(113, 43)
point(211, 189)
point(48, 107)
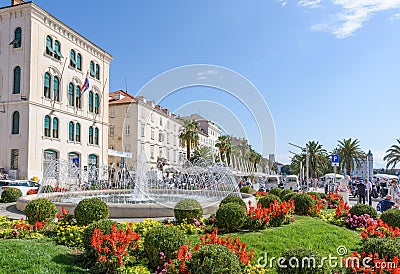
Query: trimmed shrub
point(90, 210)
point(47, 189)
point(289, 196)
point(40, 210)
point(188, 209)
point(11, 194)
point(233, 199)
point(245, 189)
point(302, 261)
point(214, 259)
point(391, 217)
point(104, 225)
point(230, 217)
point(166, 239)
point(361, 209)
point(302, 203)
point(275, 191)
point(267, 200)
point(284, 192)
point(382, 246)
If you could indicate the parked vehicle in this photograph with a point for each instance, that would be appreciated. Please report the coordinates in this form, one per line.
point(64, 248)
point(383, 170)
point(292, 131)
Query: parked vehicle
point(23, 185)
point(273, 181)
point(331, 181)
point(292, 182)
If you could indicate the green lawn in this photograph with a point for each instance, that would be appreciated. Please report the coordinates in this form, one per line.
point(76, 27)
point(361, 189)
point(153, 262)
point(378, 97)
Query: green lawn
point(36, 256)
point(304, 232)
point(45, 256)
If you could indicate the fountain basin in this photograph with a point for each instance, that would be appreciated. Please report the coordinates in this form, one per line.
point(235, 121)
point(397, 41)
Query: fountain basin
point(153, 209)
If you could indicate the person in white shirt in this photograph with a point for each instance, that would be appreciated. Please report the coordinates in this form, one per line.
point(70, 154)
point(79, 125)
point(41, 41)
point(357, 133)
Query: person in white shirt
point(368, 186)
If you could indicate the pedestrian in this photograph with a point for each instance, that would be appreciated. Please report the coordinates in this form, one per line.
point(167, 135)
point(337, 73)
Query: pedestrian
point(361, 191)
point(396, 191)
point(368, 186)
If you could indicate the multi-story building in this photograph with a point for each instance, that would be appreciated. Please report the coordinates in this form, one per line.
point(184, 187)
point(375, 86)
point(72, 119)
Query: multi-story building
point(138, 125)
point(208, 131)
point(43, 66)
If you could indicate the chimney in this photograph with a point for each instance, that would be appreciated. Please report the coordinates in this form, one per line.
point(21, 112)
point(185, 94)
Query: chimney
point(16, 2)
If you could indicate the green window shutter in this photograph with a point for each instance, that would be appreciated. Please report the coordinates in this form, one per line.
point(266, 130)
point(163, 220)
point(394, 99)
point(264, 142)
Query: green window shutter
point(49, 44)
point(57, 49)
point(79, 61)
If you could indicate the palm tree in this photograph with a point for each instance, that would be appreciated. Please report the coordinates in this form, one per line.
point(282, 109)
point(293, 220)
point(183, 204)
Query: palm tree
point(254, 158)
point(393, 155)
point(349, 153)
point(189, 135)
point(203, 152)
point(225, 148)
point(318, 159)
point(295, 164)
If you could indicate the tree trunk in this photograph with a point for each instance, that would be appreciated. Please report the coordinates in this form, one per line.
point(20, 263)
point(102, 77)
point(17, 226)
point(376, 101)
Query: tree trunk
point(188, 150)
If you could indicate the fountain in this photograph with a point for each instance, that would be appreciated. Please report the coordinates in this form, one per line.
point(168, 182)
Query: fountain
point(136, 194)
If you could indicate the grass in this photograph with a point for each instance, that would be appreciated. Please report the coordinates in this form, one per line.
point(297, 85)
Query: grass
point(304, 232)
point(45, 256)
point(36, 256)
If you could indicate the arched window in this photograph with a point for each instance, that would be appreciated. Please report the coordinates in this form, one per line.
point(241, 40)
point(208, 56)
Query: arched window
point(97, 72)
point(49, 46)
point(74, 158)
point(71, 94)
point(71, 131)
point(55, 127)
point(96, 103)
point(92, 69)
point(57, 50)
point(17, 38)
point(15, 123)
point(47, 126)
point(72, 57)
point(78, 97)
point(90, 101)
point(96, 136)
point(56, 87)
point(77, 132)
point(17, 80)
point(93, 160)
point(79, 61)
point(46, 89)
point(90, 135)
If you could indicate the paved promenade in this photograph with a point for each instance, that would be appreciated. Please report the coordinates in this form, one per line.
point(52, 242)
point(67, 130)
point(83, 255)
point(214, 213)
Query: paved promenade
point(12, 212)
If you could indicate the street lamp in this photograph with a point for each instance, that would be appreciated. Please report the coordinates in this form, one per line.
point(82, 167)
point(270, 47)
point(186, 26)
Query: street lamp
point(307, 159)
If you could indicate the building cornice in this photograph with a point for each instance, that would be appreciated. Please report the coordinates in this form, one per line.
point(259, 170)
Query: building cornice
point(68, 33)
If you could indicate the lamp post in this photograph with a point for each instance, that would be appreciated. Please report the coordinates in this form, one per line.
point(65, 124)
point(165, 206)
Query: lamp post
point(307, 160)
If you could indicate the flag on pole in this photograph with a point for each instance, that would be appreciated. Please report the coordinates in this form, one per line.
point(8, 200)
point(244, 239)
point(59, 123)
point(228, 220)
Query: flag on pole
point(85, 85)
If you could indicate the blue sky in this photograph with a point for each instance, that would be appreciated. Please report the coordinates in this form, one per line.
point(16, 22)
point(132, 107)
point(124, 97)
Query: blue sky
point(328, 69)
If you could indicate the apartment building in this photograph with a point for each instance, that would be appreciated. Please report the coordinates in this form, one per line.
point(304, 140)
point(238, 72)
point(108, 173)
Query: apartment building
point(137, 125)
point(43, 66)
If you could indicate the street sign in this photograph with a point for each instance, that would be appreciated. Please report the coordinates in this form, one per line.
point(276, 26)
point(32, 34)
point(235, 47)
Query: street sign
point(335, 160)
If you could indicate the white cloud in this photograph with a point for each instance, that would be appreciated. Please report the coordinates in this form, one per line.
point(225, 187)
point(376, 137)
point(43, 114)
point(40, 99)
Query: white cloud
point(352, 16)
point(395, 17)
point(310, 3)
point(283, 2)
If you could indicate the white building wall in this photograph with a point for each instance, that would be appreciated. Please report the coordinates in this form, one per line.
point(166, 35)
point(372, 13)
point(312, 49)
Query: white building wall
point(36, 24)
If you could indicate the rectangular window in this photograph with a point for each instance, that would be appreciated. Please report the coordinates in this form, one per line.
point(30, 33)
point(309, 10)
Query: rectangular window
point(174, 137)
point(167, 138)
point(160, 121)
point(142, 129)
point(127, 148)
point(152, 134)
point(112, 112)
point(167, 124)
point(152, 117)
point(160, 152)
point(127, 129)
point(152, 152)
point(14, 158)
point(112, 130)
